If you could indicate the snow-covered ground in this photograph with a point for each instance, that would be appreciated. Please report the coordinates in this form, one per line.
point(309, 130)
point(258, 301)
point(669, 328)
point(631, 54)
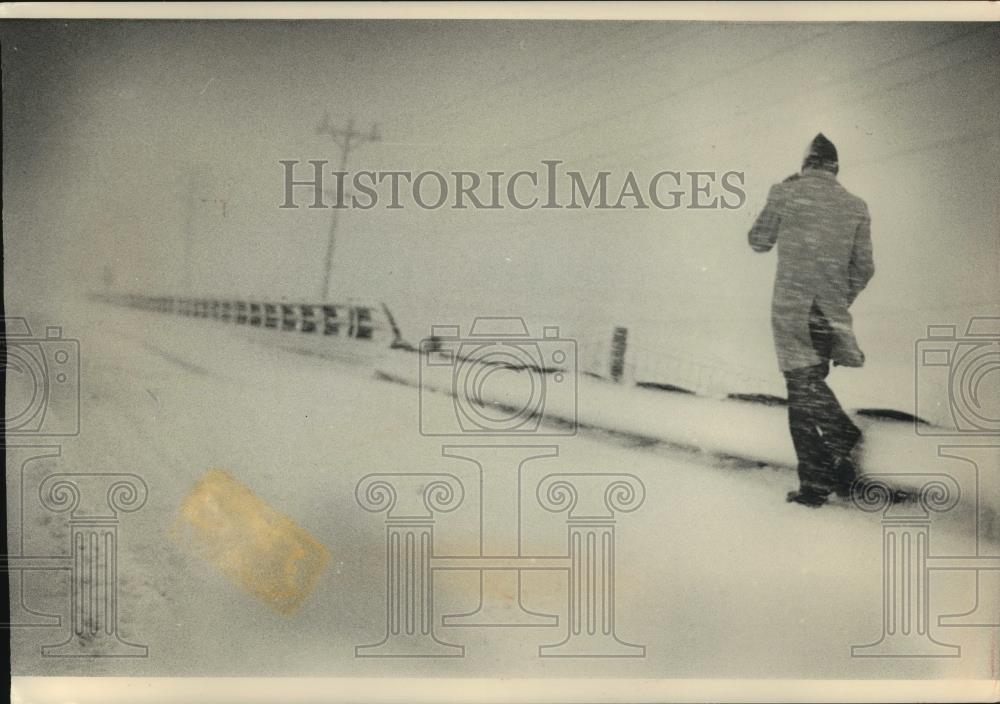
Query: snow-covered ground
point(717, 575)
point(755, 431)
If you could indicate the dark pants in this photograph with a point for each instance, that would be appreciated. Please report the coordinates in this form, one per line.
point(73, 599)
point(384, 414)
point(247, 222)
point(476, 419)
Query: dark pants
point(822, 433)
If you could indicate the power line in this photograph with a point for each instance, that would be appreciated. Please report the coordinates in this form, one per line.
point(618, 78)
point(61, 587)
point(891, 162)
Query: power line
point(906, 83)
point(491, 90)
point(930, 146)
point(528, 94)
point(794, 96)
point(597, 72)
point(772, 103)
point(616, 112)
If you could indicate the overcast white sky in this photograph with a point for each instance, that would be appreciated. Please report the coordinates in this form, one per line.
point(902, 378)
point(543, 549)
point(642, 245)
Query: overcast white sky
point(104, 126)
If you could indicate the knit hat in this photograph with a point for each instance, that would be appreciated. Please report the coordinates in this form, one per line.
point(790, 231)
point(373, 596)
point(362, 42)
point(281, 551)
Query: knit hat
point(821, 154)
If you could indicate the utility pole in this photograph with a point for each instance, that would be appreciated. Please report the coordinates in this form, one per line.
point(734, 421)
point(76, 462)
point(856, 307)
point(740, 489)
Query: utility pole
point(189, 201)
point(345, 138)
point(197, 217)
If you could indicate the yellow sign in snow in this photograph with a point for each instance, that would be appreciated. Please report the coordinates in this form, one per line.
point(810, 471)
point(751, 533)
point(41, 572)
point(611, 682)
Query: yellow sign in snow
point(259, 548)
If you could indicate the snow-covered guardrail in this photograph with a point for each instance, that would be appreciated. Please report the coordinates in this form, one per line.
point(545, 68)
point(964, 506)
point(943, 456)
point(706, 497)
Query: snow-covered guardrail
point(348, 321)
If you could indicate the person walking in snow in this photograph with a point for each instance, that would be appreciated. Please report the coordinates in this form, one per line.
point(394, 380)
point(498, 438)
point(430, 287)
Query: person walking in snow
point(823, 234)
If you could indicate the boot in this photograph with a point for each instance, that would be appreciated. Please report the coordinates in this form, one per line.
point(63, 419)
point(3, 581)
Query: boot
point(810, 496)
point(843, 472)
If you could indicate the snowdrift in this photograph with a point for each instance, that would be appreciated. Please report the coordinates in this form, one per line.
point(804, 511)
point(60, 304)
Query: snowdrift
point(729, 427)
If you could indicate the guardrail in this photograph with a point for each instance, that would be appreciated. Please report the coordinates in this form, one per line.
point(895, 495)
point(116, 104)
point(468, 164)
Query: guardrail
point(343, 320)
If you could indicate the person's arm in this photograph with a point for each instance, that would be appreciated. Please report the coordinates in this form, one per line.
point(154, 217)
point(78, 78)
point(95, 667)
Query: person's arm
point(862, 266)
point(764, 232)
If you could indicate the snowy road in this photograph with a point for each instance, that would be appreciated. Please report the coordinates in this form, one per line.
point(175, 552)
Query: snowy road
point(717, 575)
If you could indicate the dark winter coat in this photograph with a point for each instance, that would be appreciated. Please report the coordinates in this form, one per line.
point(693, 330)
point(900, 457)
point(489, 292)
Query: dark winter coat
point(824, 257)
